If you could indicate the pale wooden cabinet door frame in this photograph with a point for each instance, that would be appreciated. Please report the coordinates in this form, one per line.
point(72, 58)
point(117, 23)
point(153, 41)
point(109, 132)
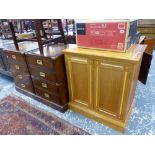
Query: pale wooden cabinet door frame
point(84, 61)
point(125, 78)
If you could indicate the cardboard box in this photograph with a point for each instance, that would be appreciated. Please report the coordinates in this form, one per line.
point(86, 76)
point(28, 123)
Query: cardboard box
point(115, 35)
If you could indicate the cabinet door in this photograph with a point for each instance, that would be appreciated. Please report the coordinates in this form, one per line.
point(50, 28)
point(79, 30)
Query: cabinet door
point(80, 80)
point(110, 86)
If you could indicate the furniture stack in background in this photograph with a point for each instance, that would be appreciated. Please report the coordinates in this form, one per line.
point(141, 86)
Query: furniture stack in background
point(147, 27)
point(38, 67)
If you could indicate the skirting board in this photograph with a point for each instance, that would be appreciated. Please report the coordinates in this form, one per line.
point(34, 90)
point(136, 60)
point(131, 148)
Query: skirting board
point(112, 123)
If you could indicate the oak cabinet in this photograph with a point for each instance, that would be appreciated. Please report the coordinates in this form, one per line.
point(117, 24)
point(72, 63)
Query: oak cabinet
point(102, 83)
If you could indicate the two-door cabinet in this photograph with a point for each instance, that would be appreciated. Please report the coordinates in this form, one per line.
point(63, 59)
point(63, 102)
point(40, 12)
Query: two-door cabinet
point(102, 83)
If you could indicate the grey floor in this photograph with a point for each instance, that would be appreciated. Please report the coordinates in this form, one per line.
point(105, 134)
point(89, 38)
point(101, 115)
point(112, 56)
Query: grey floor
point(141, 122)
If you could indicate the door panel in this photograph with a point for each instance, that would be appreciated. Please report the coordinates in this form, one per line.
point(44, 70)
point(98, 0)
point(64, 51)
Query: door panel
point(110, 83)
point(80, 79)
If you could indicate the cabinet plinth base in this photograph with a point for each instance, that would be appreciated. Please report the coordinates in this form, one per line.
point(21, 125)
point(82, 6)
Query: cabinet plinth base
point(51, 104)
point(111, 122)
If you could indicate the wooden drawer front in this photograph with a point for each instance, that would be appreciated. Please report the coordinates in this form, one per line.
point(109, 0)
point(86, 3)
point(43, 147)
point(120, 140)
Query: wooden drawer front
point(43, 74)
point(14, 57)
point(18, 69)
point(47, 95)
point(21, 77)
point(40, 61)
point(26, 86)
point(45, 85)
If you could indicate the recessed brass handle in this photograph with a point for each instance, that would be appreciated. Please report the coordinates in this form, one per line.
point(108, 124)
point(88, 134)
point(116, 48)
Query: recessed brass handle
point(44, 85)
point(39, 62)
point(46, 95)
point(42, 74)
point(13, 57)
point(23, 85)
point(17, 67)
point(20, 76)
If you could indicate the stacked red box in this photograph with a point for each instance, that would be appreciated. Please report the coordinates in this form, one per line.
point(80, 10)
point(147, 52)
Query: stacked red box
point(105, 35)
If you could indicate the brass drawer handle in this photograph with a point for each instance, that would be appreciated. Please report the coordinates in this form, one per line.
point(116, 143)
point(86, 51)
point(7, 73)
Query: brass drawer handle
point(23, 85)
point(42, 74)
point(20, 76)
point(17, 67)
point(44, 85)
point(13, 57)
point(39, 62)
point(46, 95)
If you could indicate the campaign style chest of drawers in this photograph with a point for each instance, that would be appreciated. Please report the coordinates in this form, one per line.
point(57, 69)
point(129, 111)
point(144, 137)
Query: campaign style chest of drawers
point(18, 65)
point(102, 83)
point(49, 75)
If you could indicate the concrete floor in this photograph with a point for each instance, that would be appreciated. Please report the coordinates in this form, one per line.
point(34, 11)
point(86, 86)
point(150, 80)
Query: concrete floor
point(141, 122)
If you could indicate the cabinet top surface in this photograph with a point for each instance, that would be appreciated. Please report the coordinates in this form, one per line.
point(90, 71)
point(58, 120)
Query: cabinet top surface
point(23, 46)
point(133, 54)
point(51, 50)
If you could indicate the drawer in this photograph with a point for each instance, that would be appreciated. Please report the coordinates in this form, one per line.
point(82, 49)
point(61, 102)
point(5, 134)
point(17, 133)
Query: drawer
point(60, 90)
point(43, 74)
point(14, 57)
point(26, 86)
point(53, 88)
point(18, 69)
point(40, 61)
point(21, 77)
point(47, 95)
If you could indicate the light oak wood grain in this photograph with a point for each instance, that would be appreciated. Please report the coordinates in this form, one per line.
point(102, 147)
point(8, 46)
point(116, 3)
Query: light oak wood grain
point(102, 83)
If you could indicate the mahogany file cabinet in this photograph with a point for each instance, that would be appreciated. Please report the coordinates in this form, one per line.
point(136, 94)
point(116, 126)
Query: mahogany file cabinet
point(18, 65)
point(102, 83)
point(49, 76)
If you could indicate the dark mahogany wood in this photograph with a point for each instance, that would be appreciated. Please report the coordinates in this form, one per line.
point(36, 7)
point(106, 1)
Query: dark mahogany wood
point(146, 60)
point(48, 73)
point(14, 36)
point(44, 101)
point(145, 67)
point(18, 65)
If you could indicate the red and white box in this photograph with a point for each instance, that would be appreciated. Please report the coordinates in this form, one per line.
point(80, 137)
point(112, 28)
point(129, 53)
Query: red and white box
point(105, 35)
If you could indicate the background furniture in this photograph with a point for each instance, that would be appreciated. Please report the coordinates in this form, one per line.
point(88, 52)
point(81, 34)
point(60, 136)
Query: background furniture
point(147, 59)
point(102, 83)
point(18, 65)
point(147, 27)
